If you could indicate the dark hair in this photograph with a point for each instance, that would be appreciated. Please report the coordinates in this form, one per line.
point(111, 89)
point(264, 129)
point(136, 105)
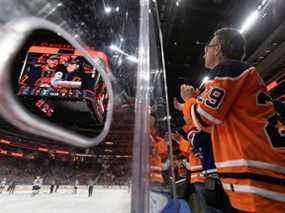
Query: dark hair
point(54, 57)
point(232, 43)
point(79, 60)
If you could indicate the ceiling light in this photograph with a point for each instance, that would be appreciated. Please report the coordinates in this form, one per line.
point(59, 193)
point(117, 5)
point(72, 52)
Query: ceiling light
point(275, 44)
point(249, 21)
point(108, 9)
point(109, 143)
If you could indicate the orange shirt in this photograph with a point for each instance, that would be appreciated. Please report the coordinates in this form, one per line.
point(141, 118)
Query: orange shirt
point(160, 145)
point(195, 163)
point(156, 169)
point(248, 147)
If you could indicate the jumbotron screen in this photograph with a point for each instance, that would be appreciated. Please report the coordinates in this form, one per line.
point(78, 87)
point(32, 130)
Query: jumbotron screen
point(60, 73)
point(53, 74)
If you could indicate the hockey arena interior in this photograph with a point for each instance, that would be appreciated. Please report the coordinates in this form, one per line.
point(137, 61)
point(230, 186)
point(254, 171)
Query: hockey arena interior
point(142, 106)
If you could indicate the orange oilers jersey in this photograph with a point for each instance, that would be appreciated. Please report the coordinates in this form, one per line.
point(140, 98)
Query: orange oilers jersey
point(160, 145)
point(184, 147)
point(186, 128)
point(196, 169)
point(156, 169)
point(248, 146)
point(194, 162)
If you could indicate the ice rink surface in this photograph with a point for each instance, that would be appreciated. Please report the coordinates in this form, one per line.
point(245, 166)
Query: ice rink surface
point(102, 201)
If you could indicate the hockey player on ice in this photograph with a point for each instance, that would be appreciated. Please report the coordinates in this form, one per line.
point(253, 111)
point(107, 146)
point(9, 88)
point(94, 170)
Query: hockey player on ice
point(52, 186)
point(90, 187)
point(2, 185)
point(75, 187)
point(12, 187)
point(36, 186)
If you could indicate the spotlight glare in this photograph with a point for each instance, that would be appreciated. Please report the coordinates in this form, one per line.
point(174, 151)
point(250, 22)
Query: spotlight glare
point(115, 48)
point(108, 9)
point(252, 18)
point(132, 58)
point(205, 79)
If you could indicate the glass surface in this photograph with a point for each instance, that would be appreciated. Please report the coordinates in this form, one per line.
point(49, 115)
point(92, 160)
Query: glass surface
point(130, 167)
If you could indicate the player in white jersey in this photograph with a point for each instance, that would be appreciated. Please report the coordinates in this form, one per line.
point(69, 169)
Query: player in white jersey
point(75, 187)
point(36, 186)
point(3, 184)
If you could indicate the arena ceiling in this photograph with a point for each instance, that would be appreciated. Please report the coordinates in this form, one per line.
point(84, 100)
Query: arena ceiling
point(186, 23)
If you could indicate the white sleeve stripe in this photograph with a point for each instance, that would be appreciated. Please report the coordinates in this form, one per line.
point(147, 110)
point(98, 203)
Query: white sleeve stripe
point(192, 139)
point(273, 195)
point(251, 163)
point(195, 168)
point(192, 132)
point(196, 122)
point(208, 116)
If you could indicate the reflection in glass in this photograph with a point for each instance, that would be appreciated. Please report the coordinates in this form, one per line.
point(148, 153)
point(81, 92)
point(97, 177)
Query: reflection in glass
point(162, 180)
point(54, 82)
point(52, 79)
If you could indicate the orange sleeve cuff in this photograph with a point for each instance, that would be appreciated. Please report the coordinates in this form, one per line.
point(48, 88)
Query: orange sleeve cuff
point(186, 128)
point(187, 110)
point(184, 147)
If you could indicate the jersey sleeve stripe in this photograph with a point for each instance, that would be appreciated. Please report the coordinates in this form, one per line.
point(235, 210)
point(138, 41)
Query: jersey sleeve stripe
point(255, 190)
point(208, 116)
point(209, 171)
point(191, 135)
point(255, 177)
point(196, 168)
point(195, 120)
point(251, 163)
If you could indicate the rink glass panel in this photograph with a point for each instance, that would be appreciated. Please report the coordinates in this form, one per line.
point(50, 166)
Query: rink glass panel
point(107, 165)
point(162, 181)
point(113, 29)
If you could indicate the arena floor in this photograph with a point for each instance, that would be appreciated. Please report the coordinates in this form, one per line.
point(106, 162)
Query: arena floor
point(102, 201)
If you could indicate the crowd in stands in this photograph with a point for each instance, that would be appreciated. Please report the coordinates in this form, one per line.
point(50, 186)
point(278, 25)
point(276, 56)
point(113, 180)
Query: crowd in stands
point(63, 173)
